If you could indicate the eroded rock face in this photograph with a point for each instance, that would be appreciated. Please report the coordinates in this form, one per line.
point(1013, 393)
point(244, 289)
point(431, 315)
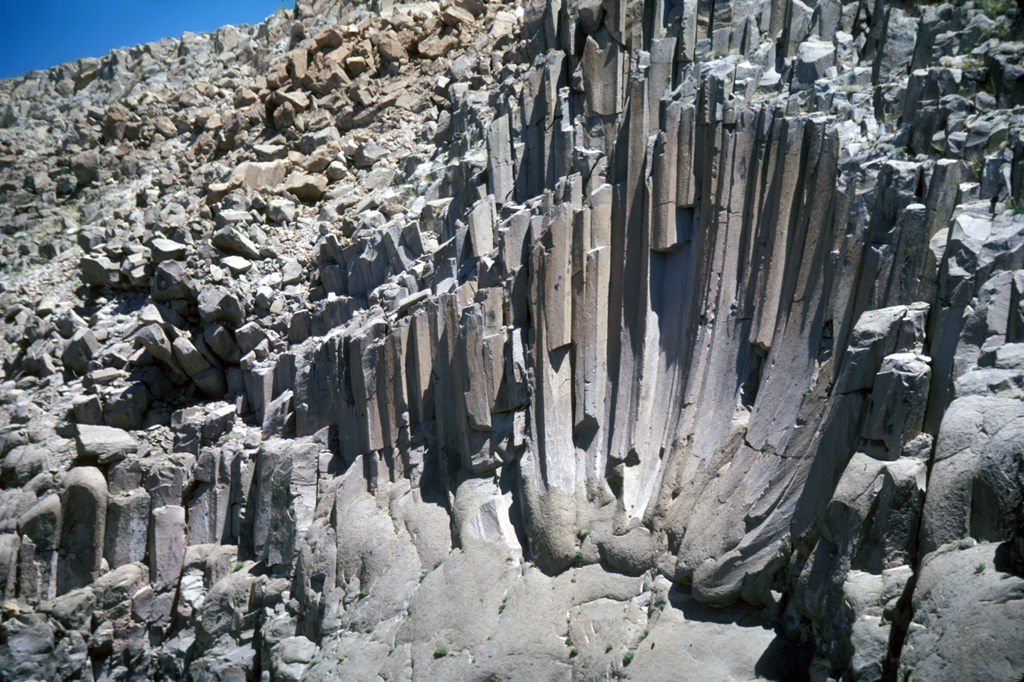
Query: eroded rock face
point(557, 341)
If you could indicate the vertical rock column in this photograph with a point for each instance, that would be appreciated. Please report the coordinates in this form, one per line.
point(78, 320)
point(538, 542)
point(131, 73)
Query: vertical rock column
point(82, 532)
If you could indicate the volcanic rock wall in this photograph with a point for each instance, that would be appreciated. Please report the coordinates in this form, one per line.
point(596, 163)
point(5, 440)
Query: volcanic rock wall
point(606, 340)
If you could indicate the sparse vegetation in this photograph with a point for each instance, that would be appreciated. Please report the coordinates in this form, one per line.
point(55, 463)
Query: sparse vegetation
point(440, 652)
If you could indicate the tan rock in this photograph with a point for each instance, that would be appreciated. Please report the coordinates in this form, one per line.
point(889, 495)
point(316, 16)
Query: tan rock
point(306, 187)
point(389, 47)
point(454, 15)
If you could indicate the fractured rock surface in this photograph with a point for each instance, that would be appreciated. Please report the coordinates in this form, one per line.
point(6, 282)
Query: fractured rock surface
point(557, 340)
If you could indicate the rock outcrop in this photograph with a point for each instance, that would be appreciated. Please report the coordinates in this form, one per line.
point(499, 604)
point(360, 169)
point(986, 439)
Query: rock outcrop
point(593, 340)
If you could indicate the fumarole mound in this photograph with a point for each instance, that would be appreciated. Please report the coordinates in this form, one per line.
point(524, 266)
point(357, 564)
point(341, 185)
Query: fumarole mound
point(573, 340)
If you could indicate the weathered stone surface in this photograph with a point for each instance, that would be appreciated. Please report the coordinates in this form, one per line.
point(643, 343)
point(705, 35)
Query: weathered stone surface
point(80, 349)
point(220, 305)
point(127, 528)
point(970, 494)
point(232, 242)
point(82, 535)
point(535, 334)
point(814, 57)
point(166, 546)
point(165, 249)
point(286, 489)
point(42, 523)
point(104, 444)
point(306, 187)
point(961, 589)
point(170, 282)
point(126, 408)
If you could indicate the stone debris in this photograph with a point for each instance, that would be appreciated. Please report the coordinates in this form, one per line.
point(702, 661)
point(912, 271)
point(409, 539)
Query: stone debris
point(472, 340)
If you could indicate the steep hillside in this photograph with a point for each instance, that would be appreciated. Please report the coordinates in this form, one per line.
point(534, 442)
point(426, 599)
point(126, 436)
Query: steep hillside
point(478, 341)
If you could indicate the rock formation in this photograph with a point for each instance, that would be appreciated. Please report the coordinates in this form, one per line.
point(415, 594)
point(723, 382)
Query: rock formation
point(578, 340)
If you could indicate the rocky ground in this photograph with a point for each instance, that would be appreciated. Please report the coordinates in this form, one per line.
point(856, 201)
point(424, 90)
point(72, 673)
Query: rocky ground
point(595, 340)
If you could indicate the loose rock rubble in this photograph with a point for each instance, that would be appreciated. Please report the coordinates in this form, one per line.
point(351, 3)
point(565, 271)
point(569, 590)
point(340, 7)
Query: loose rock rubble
point(475, 340)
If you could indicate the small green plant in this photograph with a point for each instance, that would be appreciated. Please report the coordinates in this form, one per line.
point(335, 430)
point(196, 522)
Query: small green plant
point(980, 568)
point(369, 629)
point(237, 566)
point(504, 603)
point(977, 164)
point(995, 8)
point(568, 641)
point(437, 563)
point(607, 648)
point(661, 606)
point(360, 594)
point(391, 650)
point(582, 533)
point(644, 633)
point(579, 554)
point(627, 658)
point(574, 652)
point(440, 652)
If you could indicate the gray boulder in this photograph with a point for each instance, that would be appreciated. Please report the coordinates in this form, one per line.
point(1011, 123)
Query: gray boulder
point(82, 534)
point(79, 351)
point(104, 444)
point(220, 305)
point(961, 592)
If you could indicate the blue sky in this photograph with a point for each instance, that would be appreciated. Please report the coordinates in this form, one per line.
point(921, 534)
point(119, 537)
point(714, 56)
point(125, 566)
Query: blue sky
point(38, 34)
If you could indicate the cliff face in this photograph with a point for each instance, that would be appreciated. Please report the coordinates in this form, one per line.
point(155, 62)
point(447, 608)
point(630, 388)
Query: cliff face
point(597, 340)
